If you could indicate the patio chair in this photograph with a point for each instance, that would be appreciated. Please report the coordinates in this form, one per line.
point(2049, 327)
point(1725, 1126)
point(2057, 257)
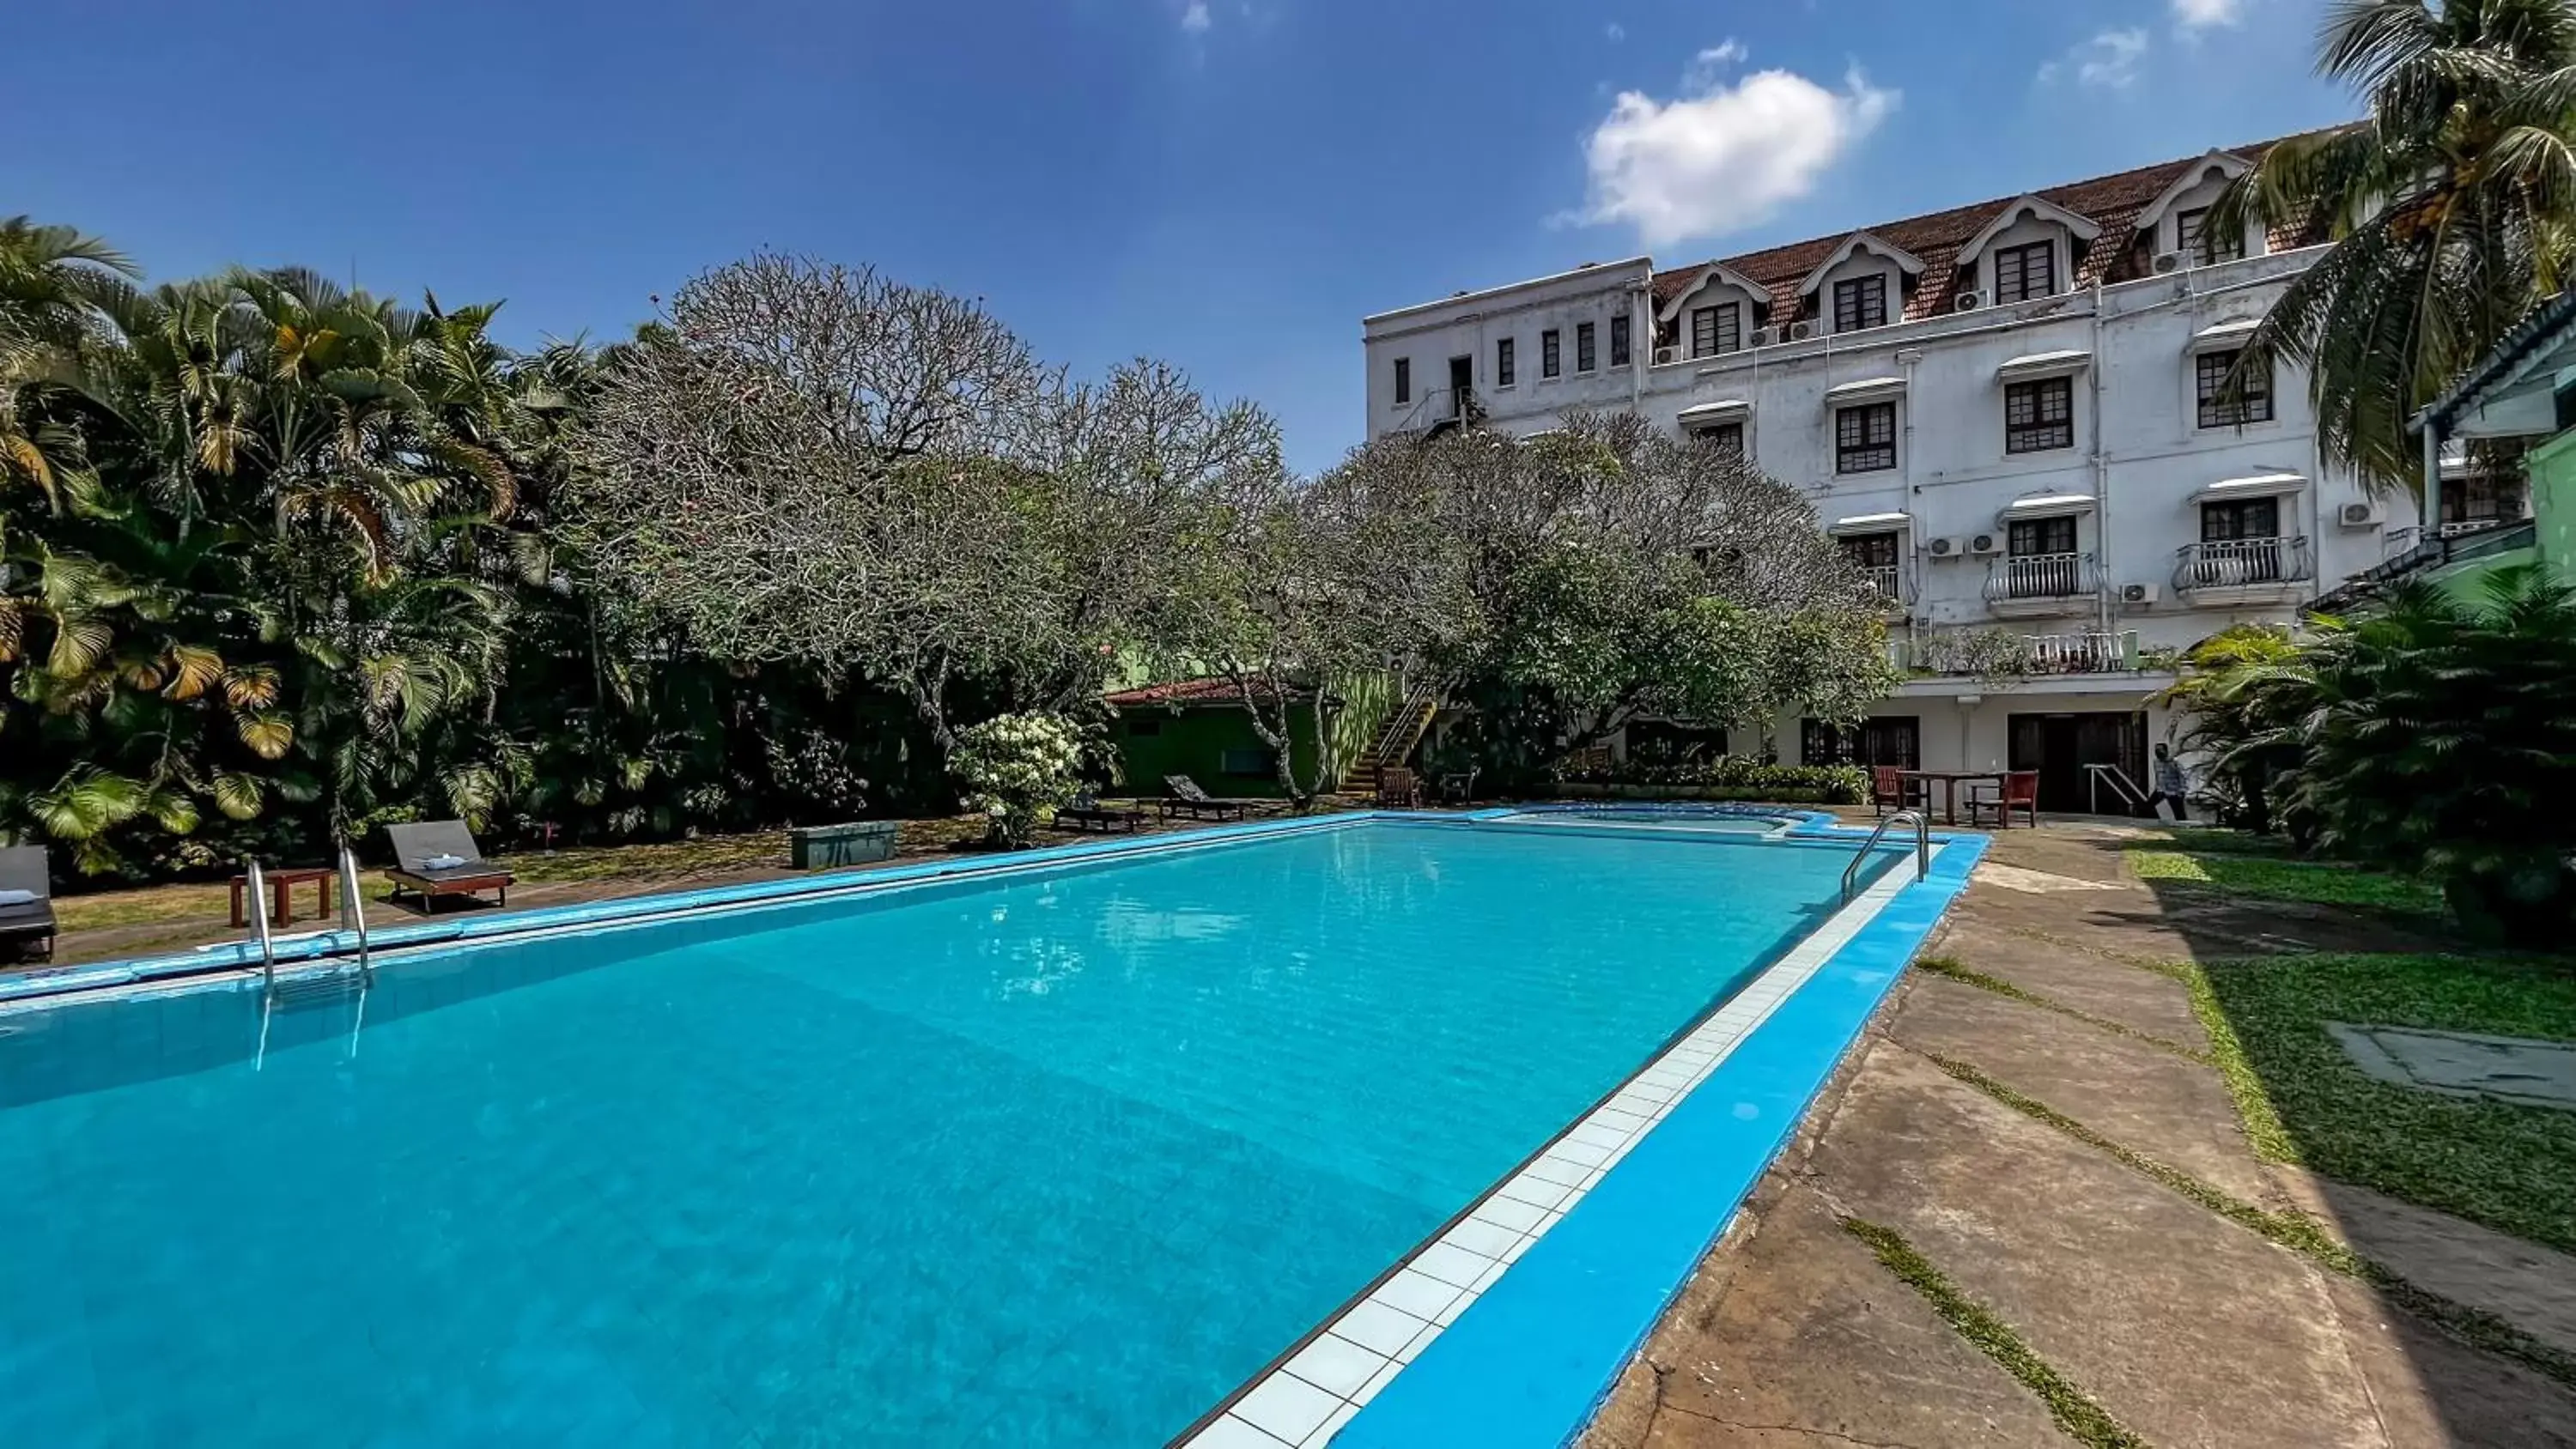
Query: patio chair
point(439, 858)
point(1397, 789)
point(1186, 798)
point(1890, 790)
point(26, 902)
point(2021, 792)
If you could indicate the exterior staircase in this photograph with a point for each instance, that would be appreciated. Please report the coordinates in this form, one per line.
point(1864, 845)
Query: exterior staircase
point(1395, 741)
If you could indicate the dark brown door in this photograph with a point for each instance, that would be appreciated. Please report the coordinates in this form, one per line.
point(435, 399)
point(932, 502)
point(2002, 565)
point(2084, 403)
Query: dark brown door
point(2059, 746)
point(1462, 385)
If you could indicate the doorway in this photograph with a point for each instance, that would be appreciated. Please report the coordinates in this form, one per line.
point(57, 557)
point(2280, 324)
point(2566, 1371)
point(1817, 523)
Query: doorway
point(1888, 739)
point(2059, 746)
point(1462, 386)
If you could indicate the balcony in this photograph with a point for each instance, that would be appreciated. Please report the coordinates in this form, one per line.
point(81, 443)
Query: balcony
point(1894, 585)
point(2042, 584)
point(1996, 657)
point(2242, 570)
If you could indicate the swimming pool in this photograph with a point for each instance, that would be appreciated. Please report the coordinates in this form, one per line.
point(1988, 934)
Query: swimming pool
point(1057, 1156)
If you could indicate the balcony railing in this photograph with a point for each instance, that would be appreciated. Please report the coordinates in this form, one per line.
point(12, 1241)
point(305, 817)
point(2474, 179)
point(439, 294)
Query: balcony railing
point(2234, 562)
point(2042, 576)
point(1891, 582)
point(2001, 654)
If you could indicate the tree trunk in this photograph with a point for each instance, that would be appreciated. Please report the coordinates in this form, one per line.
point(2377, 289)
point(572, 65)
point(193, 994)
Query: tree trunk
point(1275, 737)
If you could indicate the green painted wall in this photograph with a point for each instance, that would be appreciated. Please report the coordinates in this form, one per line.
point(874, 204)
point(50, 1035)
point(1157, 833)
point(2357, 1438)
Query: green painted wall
point(1196, 741)
point(2553, 502)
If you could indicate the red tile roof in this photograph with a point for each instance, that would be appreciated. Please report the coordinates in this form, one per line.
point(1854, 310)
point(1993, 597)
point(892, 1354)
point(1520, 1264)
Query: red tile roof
point(2112, 202)
point(1181, 693)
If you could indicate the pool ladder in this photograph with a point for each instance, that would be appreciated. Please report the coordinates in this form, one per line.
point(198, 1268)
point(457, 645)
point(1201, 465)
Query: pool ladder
point(1922, 848)
point(353, 919)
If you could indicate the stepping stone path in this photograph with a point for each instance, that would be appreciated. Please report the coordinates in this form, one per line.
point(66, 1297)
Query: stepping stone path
point(2462, 1064)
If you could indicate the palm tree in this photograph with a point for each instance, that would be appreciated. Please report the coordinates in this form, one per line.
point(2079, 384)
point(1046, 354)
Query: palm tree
point(2247, 693)
point(2452, 209)
point(52, 279)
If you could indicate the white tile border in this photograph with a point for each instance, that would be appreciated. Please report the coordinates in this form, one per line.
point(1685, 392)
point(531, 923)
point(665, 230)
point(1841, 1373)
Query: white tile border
point(1442, 1278)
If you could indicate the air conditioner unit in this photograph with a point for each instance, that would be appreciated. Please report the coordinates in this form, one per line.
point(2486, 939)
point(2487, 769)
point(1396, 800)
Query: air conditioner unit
point(1664, 355)
point(2137, 593)
point(2360, 515)
point(1765, 336)
point(1968, 301)
point(1985, 543)
point(1801, 331)
point(1943, 547)
point(2170, 262)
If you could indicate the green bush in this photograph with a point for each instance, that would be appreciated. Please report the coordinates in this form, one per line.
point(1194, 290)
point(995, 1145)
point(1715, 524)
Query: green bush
point(1739, 777)
point(2442, 744)
point(1017, 767)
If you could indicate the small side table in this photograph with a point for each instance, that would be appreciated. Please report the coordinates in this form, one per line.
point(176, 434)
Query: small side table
point(281, 886)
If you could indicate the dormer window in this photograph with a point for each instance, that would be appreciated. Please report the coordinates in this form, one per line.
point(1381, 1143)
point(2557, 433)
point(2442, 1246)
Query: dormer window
point(1716, 329)
point(2206, 245)
point(1860, 302)
point(2026, 271)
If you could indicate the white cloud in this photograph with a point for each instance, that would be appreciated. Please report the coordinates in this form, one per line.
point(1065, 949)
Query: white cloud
point(1721, 158)
point(1710, 63)
point(2108, 60)
point(2204, 14)
point(1616, 31)
point(1725, 50)
point(1194, 19)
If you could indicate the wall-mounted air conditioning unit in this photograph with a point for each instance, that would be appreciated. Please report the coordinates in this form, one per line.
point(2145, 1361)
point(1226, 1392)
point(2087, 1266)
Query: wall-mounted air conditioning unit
point(2170, 262)
point(1945, 547)
point(1801, 331)
point(1968, 301)
point(1665, 355)
point(1984, 543)
point(1765, 336)
point(2360, 515)
point(2141, 594)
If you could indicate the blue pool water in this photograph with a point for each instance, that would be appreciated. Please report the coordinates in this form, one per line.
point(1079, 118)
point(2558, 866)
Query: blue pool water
point(1051, 1160)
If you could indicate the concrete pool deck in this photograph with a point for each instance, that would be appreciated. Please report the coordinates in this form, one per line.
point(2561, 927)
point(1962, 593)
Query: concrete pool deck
point(2183, 1325)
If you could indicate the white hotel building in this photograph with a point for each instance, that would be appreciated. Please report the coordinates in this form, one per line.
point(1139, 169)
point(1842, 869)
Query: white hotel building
point(2008, 411)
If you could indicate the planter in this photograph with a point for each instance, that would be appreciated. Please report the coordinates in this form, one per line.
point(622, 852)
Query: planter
point(825, 847)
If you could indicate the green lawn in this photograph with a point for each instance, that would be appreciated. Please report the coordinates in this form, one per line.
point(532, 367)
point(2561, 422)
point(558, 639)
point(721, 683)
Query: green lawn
point(2508, 1166)
point(2236, 869)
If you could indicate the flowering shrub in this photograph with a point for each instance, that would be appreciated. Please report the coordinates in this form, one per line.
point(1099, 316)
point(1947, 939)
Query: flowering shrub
point(1016, 767)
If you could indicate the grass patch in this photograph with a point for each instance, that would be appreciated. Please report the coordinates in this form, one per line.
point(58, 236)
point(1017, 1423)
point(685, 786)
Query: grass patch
point(2267, 878)
point(2297, 1232)
point(2508, 1166)
point(2084, 1421)
point(1960, 972)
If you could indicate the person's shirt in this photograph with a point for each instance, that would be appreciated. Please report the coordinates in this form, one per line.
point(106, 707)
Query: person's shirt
point(2169, 775)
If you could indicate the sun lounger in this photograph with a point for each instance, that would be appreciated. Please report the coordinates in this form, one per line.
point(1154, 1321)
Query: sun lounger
point(439, 858)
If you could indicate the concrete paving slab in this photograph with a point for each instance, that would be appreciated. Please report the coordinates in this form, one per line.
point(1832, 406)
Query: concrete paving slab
point(2171, 1109)
point(2432, 1392)
point(2130, 995)
point(2464, 1064)
point(2529, 1286)
point(2189, 1329)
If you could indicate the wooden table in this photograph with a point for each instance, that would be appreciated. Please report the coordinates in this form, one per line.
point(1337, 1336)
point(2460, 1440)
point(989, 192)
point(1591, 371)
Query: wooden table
point(1950, 780)
point(281, 884)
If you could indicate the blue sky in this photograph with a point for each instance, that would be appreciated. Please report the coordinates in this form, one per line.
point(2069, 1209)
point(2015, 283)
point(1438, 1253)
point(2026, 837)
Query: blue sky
point(1230, 184)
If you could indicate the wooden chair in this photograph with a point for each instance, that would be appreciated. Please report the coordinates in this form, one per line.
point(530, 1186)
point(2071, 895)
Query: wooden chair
point(1397, 789)
point(1890, 790)
point(2021, 791)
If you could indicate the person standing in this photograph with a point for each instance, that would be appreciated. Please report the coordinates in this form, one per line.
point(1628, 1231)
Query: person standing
point(2170, 785)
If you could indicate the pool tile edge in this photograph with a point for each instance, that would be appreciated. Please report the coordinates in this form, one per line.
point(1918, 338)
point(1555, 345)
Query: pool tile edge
point(1452, 1396)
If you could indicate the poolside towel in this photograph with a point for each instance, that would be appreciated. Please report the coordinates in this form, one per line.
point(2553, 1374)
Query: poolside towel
point(17, 898)
point(444, 862)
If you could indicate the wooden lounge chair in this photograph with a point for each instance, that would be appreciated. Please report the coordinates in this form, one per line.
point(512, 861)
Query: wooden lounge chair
point(2021, 792)
point(26, 926)
point(1087, 813)
point(1188, 799)
point(439, 858)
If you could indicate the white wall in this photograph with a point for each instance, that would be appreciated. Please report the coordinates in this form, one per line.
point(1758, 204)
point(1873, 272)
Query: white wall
point(1470, 326)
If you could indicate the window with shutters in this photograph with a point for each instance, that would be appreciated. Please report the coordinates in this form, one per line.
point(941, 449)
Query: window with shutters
point(2039, 415)
point(1865, 438)
point(2024, 272)
point(1860, 302)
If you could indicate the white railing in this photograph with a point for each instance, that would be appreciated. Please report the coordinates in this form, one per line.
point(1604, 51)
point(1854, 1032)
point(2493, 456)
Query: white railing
point(2004, 654)
point(2042, 576)
point(2092, 652)
point(1889, 581)
point(2231, 562)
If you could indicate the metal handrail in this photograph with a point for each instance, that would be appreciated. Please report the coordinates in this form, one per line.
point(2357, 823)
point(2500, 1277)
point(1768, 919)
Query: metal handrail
point(1922, 848)
point(258, 886)
point(353, 916)
point(2122, 787)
